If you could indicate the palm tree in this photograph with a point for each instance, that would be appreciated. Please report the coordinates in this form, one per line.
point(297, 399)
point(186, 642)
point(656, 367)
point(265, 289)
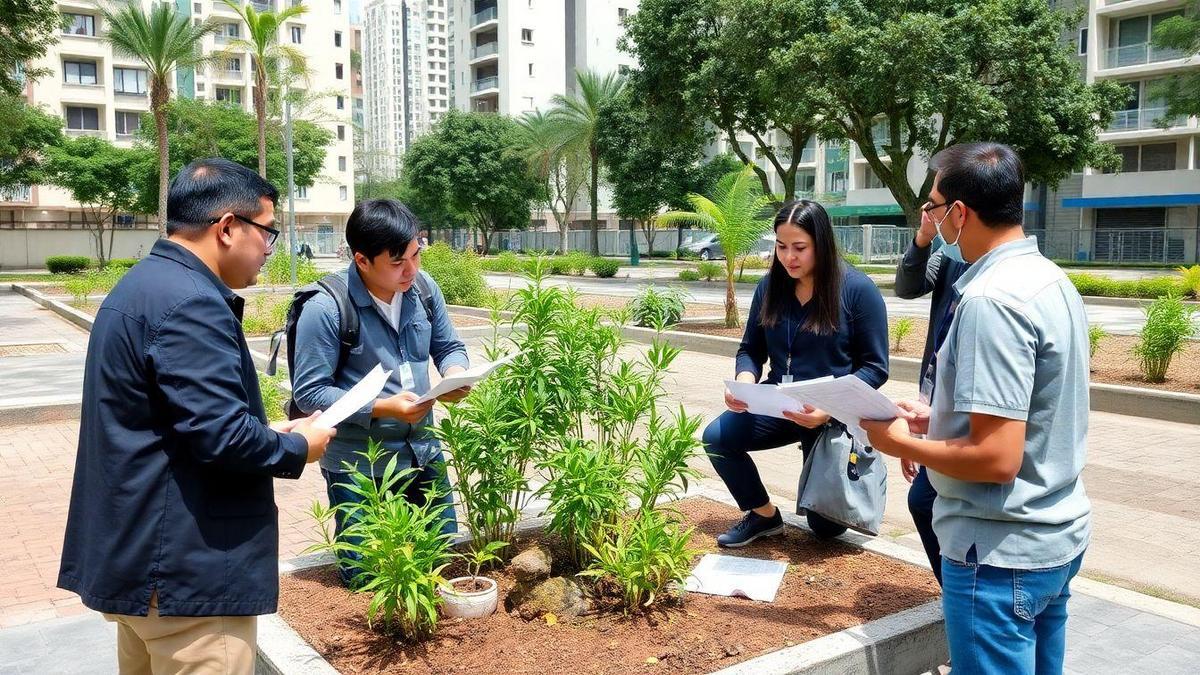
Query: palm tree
point(580, 115)
point(735, 212)
point(268, 54)
point(163, 41)
point(559, 166)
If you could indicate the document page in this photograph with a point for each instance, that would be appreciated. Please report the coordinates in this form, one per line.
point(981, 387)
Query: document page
point(465, 378)
point(767, 399)
point(364, 392)
point(847, 398)
point(737, 576)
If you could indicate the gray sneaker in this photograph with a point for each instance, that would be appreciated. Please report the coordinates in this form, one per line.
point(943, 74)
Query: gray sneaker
point(751, 527)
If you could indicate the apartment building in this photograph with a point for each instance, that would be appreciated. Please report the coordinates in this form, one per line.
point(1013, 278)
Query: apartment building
point(101, 93)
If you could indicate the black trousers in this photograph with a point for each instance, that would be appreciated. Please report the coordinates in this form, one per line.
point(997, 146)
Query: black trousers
point(731, 438)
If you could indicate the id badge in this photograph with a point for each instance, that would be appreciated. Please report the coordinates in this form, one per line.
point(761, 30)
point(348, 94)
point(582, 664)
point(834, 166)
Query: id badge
point(787, 379)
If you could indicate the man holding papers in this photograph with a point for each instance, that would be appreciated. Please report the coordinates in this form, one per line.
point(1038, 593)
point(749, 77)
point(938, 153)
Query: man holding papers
point(1007, 430)
point(400, 329)
point(811, 317)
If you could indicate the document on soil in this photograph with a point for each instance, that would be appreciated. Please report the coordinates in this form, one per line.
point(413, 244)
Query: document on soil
point(737, 576)
point(361, 394)
point(766, 399)
point(467, 378)
point(848, 399)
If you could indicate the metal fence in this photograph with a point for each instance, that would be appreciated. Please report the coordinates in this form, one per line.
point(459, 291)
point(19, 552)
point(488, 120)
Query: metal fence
point(1121, 245)
point(874, 243)
point(612, 242)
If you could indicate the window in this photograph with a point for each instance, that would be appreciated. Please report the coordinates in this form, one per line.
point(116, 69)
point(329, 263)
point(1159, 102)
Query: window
point(337, 6)
point(1158, 157)
point(531, 70)
point(337, 70)
point(233, 30)
point(337, 38)
point(528, 101)
point(301, 192)
point(196, 8)
point(341, 102)
point(341, 163)
point(127, 122)
point(80, 24)
point(1083, 39)
point(527, 35)
point(343, 193)
point(79, 72)
point(622, 15)
point(83, 118)
point(229, 95)
point(129, 81)
point(341, 132)
point(234, 65)
point(296, 34)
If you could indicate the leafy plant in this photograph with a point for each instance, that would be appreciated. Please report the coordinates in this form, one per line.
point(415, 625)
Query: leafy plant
point(1189, 280)
point(457, 273)
point(657, 308)
point(689, 275)
point(587, 494)
point(604, 267)
point(506, 261)
point(1165, 333)
point(709, 270)
point(1102, 286)
point(1095, 335)
point(125, 263)
point(901, 330)
point(273, 396)
point(397, 546)
point(67, 264)
point(852, 258)
point(559, 265)
point(578, 262)
point(96, 281)
point(477, 558)
point(265, 314)
point(278, 270)
point(644, 554)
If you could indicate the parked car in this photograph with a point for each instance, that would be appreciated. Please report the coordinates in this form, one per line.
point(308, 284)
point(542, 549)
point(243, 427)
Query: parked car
point(764, 248)
point(706, 248)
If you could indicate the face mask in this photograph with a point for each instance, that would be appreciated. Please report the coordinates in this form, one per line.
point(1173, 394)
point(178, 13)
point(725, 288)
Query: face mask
point(951, 251)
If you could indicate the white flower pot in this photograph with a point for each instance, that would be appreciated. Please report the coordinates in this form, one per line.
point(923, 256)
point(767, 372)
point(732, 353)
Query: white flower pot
point(457, 604)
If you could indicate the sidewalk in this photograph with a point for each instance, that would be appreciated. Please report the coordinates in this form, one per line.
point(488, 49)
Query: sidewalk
point(41, 355)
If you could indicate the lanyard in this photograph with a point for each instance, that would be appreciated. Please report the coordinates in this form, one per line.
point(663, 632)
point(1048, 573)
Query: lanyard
point(943, 330)
point(787, 376)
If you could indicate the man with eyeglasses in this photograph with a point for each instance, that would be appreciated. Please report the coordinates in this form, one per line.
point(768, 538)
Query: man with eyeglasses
point(402, 324)
point(172, 530)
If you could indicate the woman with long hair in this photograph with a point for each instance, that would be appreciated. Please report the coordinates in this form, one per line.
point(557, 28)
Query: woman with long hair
point(812, 316)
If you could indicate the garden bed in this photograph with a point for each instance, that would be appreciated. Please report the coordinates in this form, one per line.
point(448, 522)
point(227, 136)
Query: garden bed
point(829, 586)
point(1113, 363)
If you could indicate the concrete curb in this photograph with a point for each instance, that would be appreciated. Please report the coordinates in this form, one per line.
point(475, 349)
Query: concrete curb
point(67, 312)
point(39, 411)
point(1112, 398)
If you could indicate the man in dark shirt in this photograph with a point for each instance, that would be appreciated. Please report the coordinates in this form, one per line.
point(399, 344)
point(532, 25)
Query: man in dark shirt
point(172, 531)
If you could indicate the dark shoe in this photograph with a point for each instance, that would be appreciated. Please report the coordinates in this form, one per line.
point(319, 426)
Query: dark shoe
point(751, 527)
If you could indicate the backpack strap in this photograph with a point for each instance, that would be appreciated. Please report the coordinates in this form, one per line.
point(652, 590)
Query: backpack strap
point(426, 291)
point(348, 323)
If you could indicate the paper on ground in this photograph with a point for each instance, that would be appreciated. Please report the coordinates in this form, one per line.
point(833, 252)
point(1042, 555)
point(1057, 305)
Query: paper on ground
point(733, 575)
point(766, 399)
point(361, 394)
point(466, 378)
point(848, 399)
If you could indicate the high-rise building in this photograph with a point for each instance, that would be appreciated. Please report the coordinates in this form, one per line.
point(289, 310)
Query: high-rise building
point(99, 92)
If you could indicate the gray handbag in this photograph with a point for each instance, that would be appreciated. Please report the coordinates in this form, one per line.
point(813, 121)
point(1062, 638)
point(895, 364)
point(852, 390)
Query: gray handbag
point(844, 481)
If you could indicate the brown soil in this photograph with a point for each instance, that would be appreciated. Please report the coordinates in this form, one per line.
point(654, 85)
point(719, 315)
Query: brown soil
point(459, 320)
point(1113, 364)
point(828, 587)
point(690, 310)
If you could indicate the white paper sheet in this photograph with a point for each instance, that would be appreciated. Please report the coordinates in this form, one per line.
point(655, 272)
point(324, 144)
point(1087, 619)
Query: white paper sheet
point(767, 399)
point(848, 399)
point(736, 576)
point(364, 392)
point(465, 378)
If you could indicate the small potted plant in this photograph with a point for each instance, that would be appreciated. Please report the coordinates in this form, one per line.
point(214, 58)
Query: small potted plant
point(472, 596)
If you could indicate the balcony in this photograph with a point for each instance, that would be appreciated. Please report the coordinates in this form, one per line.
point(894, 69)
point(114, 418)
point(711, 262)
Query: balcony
point(223, 39)
point(483, 17)
point(18, 193)
point(226, 75)
point(1144, 118)
point(485, 50)
point(1139, 55)
point(485, 84)
point(95, 133)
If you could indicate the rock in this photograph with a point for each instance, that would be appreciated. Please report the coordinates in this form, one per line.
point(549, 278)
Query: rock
point(532, 565)
point(560, 596)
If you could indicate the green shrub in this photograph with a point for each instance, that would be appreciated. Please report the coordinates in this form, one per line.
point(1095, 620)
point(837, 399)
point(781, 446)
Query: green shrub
point(508, 262)
point(901, 330)
point(125, 263)
point(67, 264)
point(1189, 281)
point(645, 555)
point(710, 270)
point(1167, 329)
point(655, 308)
point(559, 265)
point(681, 254)
point(604, 267)
point(754, 262)
point(852, 258)
point(273, 395)
point(689, 275)
point(398, 547)
point(278, 270)
point(265, 314)
point(578, 262)
point(93, 282)
point(1095, 335)
point(661, 254)
point(457, 273)
point(587, 495)
point(1102, 286)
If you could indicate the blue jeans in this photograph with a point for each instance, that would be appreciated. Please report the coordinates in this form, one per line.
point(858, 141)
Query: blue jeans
point(415, 494)
point(1009, 621)
point(920, 504)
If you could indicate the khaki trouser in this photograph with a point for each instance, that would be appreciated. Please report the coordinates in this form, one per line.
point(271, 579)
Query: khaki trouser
point(185, 645)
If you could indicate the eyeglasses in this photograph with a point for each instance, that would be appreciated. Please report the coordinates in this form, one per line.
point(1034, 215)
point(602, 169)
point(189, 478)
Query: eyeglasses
point(929, 206)
point(272, 233)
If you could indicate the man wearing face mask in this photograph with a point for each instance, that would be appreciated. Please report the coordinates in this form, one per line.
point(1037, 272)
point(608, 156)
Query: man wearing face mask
point(1006, 433)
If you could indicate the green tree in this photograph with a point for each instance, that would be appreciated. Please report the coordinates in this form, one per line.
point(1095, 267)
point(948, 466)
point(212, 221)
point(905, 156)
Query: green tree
point(472, 167)
point(580, 114)
point(1181, 90)
point(199, 129)
point(28, 29)
point(736, 213)
point(717, 62)
point(561, 167)
point(102, 177)
point(273, 61)
point(163, 40)
point(25, 134)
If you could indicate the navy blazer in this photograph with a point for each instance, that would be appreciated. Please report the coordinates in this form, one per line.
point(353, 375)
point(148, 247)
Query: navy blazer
point(173, 478)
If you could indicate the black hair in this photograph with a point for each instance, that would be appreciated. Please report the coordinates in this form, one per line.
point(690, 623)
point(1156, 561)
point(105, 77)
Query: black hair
point(379, 225)
point(988, 177)
point(210, 188)
point(825, 316)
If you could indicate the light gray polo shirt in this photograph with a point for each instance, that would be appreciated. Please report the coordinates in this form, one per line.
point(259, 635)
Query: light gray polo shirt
point(1017, 348)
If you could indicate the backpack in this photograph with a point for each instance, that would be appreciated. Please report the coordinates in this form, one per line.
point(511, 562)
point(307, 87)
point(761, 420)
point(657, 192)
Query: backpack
point(335, 286)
